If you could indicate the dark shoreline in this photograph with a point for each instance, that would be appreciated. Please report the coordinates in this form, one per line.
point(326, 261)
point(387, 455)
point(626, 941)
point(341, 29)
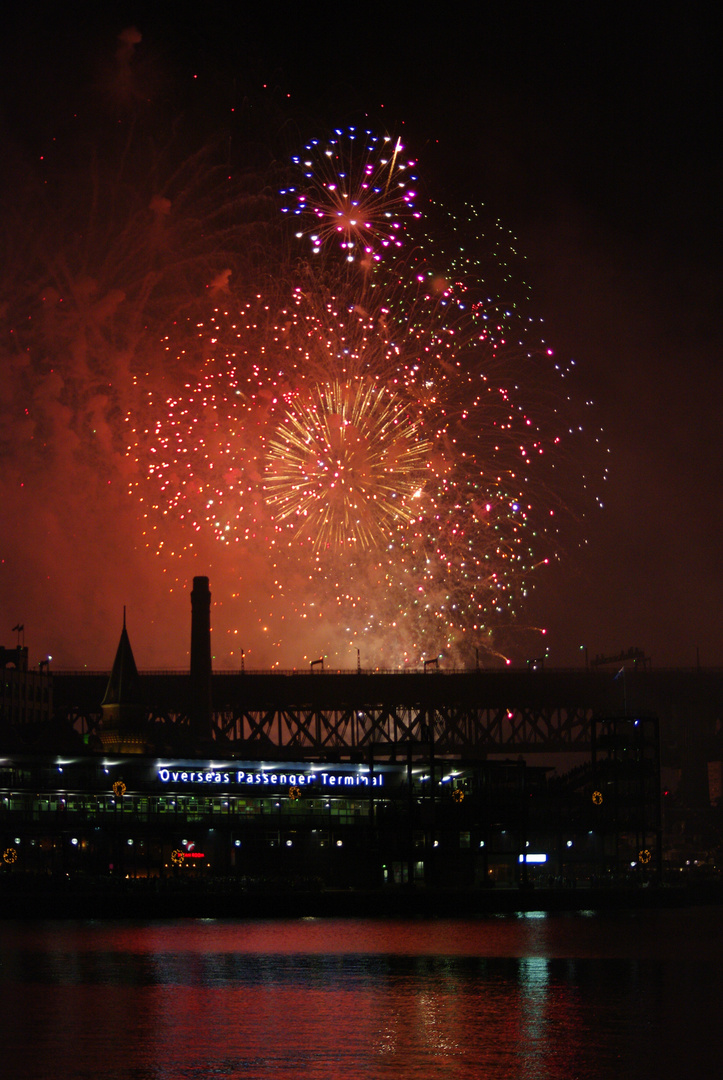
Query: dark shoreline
point(136, 901)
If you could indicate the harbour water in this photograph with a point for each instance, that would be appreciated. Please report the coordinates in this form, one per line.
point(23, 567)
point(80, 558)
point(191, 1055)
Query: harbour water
point(625, 994)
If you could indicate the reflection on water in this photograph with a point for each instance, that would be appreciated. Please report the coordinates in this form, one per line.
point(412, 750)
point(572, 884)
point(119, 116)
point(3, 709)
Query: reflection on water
point(580, 996)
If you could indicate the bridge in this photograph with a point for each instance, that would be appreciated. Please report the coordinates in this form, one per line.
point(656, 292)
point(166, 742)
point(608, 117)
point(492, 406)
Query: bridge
point(462, 713)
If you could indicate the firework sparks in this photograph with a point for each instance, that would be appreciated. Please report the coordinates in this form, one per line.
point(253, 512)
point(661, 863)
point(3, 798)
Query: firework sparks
point(394, 448)
point(357, 194)
point(385, 462)
point(347, 462)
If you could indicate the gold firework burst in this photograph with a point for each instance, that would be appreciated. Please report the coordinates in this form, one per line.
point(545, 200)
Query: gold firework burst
point(347, 464)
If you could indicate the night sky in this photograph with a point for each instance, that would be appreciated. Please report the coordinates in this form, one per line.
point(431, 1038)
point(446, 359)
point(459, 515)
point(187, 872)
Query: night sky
point(589, 130)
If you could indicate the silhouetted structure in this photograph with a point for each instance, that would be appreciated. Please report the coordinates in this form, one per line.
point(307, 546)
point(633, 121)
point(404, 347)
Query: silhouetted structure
point(347, 778)
point(123, 728)
point(26, 697)
point(201, 697)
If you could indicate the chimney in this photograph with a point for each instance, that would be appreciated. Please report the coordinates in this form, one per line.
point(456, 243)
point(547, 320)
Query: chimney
point(201, 701)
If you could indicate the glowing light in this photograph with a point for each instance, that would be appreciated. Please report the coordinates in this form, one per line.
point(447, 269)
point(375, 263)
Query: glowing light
point(345, 463)
point(393, 453)
point(356, 194)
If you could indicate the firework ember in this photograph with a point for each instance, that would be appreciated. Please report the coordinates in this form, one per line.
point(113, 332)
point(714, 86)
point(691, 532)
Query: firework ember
point(395, 448)
point(346, 463)
point(357, 194)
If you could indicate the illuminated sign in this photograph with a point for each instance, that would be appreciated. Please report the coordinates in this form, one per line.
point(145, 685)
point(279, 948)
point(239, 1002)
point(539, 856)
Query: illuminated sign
point(178, 857)
point(532, 858)
point(245, 778)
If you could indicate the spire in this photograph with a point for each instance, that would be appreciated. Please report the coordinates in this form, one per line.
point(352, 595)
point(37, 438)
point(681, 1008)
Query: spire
point(123, 726)
point(124, 684)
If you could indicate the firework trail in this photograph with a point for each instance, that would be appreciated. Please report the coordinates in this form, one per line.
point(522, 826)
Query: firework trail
point(346, 463)
point(112, 231)
point(393, 451)
point(293, 412)
point(355, 196)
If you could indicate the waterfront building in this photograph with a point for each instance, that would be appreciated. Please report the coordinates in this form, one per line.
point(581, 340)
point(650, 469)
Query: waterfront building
point(136, 798)
point(26, 696)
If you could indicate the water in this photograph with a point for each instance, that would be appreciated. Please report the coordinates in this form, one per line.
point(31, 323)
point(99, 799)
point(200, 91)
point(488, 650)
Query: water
point(624, 995)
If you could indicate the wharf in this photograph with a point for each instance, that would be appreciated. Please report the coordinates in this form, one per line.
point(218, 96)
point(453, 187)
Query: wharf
point(146, 900)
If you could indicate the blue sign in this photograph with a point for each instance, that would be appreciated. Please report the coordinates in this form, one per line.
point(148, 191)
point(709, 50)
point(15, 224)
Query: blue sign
point(265, 778)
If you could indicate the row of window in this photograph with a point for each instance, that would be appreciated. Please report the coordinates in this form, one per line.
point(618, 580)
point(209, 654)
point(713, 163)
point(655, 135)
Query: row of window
point(142, 807)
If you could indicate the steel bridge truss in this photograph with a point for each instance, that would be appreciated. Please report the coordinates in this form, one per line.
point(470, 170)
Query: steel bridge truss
point(454, 729)
point(464, 713)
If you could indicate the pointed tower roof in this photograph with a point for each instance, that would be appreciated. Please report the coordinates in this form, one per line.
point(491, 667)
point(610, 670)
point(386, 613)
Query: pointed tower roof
point(124, 684)
point(123, 728)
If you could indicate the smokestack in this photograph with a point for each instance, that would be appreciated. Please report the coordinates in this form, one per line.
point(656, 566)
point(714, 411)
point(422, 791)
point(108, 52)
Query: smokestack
point(201, 701)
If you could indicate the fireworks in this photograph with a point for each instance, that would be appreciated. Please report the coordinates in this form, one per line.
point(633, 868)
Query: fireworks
point(347, 463)
point(392, 451)
point(357, 193)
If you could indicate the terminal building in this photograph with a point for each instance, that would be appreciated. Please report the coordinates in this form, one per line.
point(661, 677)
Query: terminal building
point(169, 793)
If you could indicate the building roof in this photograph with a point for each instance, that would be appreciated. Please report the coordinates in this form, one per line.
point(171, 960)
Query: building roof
point(124, 686)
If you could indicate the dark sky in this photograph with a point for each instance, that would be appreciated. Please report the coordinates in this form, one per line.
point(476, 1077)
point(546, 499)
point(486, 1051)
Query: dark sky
point(591, 130)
